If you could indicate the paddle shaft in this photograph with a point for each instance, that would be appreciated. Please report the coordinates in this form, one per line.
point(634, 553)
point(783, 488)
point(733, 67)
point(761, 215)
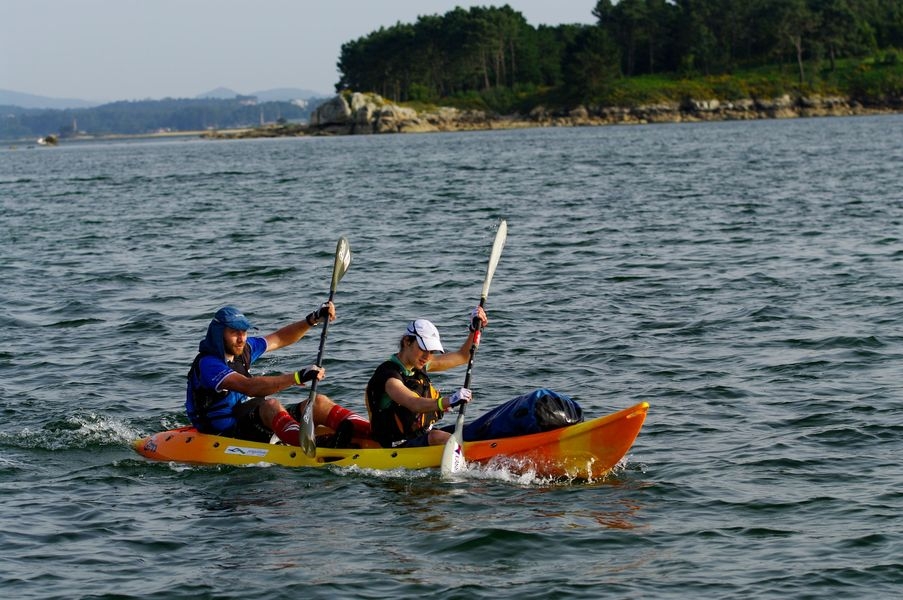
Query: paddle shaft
point(319, 363)
point(477, 333)
point(308, 439)
point(500, 236)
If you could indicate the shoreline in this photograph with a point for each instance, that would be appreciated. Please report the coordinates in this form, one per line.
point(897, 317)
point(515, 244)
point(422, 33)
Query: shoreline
point(370, 114)
point(112, 137)
point(510, 122)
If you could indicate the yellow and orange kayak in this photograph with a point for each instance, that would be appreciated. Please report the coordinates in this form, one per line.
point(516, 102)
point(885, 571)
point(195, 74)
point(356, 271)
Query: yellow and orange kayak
point(586, 450)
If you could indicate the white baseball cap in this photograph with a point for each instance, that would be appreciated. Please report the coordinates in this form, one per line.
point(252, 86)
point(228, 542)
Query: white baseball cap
point(427, 335)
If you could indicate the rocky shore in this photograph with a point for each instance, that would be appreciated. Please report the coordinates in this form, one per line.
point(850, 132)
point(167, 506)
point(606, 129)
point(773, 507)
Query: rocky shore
point(371, 114)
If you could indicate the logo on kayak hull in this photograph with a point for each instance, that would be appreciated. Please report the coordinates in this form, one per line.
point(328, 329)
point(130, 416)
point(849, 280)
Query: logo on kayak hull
point(242, 451)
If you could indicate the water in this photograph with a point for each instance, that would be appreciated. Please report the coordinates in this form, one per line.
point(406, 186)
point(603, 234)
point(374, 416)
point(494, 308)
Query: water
point(744, 278)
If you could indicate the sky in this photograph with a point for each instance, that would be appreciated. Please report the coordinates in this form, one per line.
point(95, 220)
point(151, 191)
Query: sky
point(105, 50)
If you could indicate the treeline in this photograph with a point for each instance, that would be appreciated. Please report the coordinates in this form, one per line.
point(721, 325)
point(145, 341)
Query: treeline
point(490, 50)
point(146, 116)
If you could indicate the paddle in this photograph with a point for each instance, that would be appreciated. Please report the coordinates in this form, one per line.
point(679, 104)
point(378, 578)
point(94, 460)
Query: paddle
point(342, 261)
point(453, 453)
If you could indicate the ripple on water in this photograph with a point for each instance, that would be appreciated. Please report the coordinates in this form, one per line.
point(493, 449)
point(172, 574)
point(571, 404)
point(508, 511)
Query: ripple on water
point(748, 292)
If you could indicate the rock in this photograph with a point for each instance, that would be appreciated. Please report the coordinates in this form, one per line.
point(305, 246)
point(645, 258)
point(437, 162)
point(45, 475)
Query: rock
point(659, 112)
point(774, 104)
point(398, 119)
point(334, 111)
point(746, 104)
point(694, 105)
point(819, 106)
point(540, 113)
point(579, 114)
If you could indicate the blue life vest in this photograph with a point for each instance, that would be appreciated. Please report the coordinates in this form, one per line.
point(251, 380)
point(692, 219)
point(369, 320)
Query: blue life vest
point(212, 411)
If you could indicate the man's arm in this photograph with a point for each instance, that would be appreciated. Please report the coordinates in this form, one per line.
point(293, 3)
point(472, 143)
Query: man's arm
point(288, 335)
point(267, 385)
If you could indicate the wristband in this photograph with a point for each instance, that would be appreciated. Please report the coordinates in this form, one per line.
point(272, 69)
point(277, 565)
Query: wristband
point(298, 377)
point(439, 402)
point(311, 319)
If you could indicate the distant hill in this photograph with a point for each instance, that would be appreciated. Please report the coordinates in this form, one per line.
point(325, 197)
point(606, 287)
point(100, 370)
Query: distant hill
point(11, 98)
point(222, 93)
point(142, 117)
point(24, 100)
point(289, 94)
point(274, 95)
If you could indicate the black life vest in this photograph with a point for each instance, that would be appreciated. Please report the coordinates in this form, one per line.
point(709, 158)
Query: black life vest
point(391, 422)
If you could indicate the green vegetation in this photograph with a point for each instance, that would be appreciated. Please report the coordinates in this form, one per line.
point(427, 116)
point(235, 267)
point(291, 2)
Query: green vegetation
point(639, 52)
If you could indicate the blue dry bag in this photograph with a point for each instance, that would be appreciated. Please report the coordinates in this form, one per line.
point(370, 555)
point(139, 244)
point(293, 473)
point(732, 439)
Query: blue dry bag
point(540, 410)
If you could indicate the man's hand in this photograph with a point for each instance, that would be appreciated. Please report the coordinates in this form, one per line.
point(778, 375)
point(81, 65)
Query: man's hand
point(327, 309)
point(309, 374)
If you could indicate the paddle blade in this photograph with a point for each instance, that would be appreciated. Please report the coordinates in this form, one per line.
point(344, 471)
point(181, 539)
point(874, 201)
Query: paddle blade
point(500, 236)
point(452, 458)
point(308, 440)
point(459, 429)
point(342, 262)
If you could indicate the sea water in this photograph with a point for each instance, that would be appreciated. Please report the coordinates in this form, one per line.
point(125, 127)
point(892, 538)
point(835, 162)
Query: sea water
point(744, 278)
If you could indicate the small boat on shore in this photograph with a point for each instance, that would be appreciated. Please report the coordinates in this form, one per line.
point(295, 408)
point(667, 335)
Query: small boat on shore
point(585, 450)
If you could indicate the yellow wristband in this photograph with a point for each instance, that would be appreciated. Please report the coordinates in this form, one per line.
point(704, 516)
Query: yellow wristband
point(298, 377)
point(439, 402)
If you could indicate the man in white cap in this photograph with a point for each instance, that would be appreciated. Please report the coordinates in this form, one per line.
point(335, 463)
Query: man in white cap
point(401, 400)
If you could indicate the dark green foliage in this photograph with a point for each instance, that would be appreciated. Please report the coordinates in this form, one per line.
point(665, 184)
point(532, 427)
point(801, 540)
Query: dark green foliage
point(459, 52)
point(878, 81)
point(592, 66)
point(487, 57)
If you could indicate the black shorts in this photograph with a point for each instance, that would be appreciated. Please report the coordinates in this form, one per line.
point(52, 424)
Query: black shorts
point(249, 425)
point(421, 441)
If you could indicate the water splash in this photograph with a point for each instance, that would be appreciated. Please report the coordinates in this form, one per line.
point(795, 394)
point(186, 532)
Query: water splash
point(91, 430)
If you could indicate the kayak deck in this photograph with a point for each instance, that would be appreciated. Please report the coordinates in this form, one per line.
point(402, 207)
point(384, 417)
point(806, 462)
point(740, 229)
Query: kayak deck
point(586, 450)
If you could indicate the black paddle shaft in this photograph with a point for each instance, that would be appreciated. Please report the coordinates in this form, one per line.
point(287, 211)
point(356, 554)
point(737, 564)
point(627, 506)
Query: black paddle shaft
point(477, 334)
point(313, 384)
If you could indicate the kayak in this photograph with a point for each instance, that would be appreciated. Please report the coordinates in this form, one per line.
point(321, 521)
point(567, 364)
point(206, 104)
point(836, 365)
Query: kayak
point(585, 450)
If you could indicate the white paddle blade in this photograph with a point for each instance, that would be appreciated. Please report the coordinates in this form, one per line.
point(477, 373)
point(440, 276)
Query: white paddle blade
point(308, 440)
point(342, 261)
point(452, 458)
point(500, 236)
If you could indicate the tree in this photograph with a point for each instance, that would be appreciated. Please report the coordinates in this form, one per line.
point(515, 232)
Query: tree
point(796, 23)
point(625, 22)
point(551, 46)
point(488, 52)
point(592, 65)
point(838, 26)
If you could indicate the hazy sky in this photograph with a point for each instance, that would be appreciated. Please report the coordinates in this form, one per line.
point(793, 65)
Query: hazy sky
point(134, 49)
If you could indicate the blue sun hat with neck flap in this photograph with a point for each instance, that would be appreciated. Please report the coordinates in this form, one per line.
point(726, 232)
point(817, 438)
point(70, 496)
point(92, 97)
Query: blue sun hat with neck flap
point(227, 316)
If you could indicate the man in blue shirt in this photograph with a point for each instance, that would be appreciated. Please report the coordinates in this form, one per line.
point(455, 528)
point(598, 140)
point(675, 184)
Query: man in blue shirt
point(224, 399)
